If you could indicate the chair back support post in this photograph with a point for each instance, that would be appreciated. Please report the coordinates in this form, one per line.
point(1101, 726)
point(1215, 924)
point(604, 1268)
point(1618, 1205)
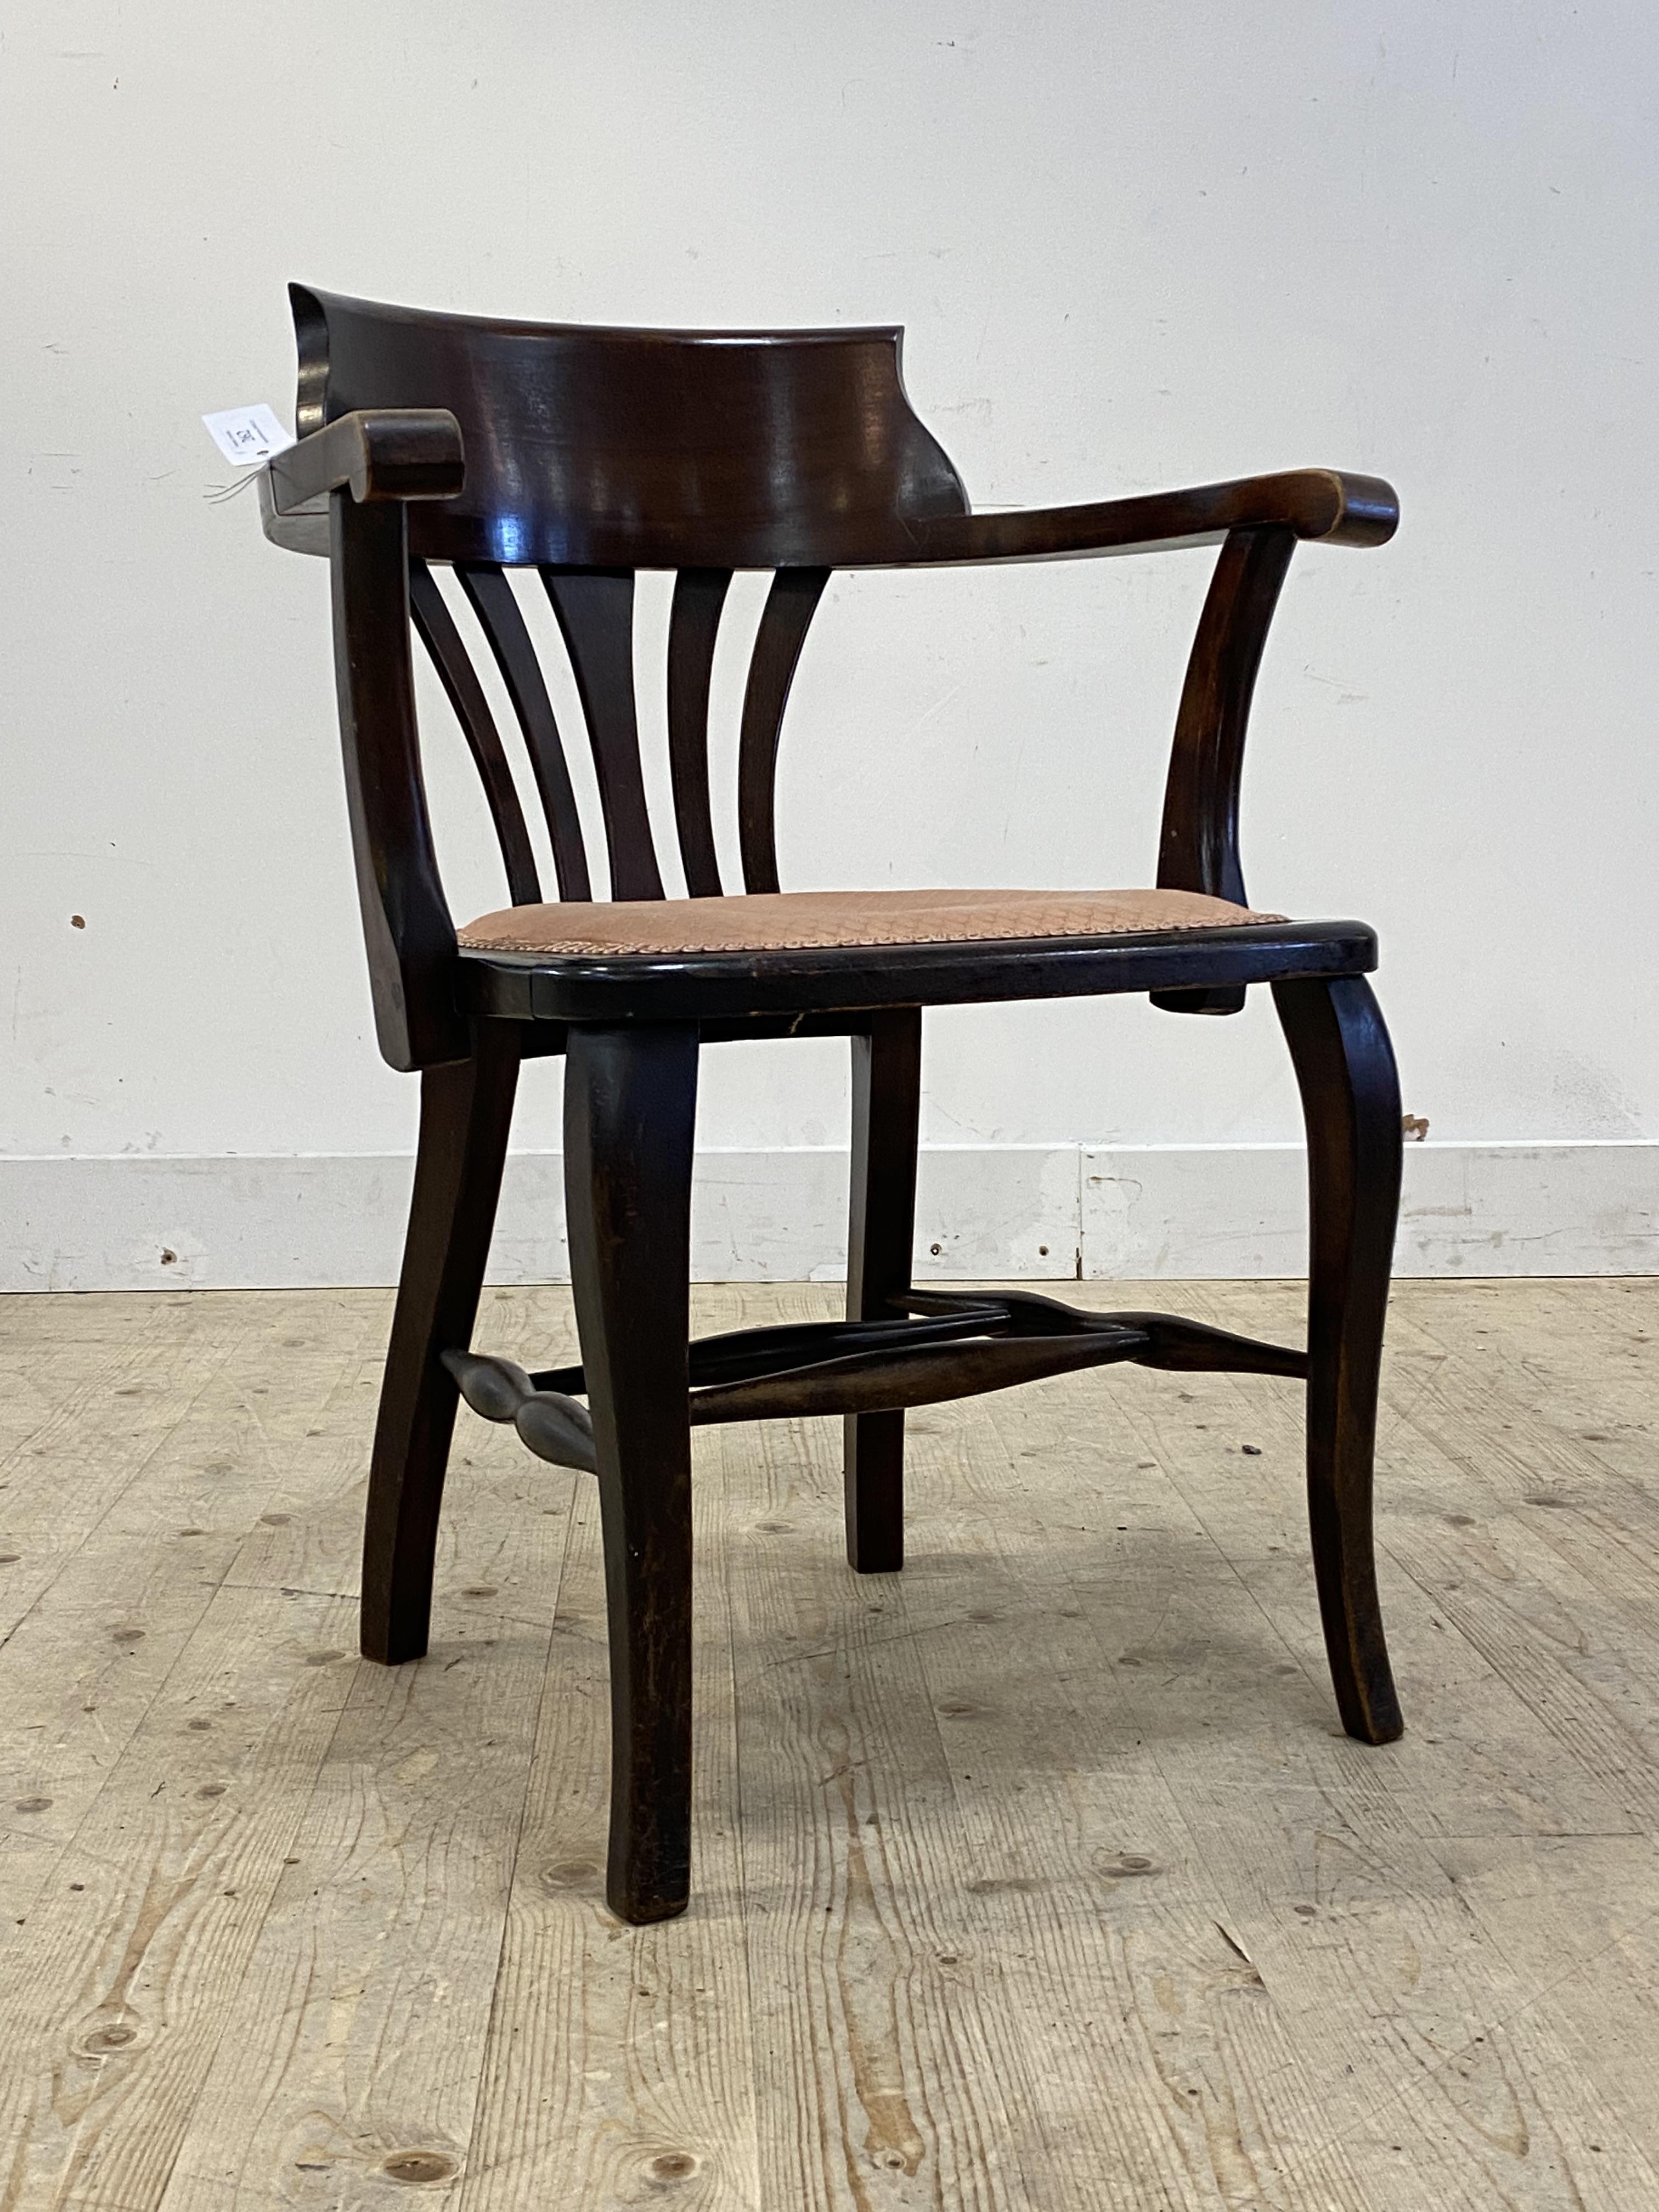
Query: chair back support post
point(407, 927)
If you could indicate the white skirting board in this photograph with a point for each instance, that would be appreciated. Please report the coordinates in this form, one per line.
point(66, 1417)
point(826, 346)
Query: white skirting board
point(1044, 1213)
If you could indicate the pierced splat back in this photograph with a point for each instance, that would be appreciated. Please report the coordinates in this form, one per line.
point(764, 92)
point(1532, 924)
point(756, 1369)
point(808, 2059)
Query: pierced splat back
point(592, 453)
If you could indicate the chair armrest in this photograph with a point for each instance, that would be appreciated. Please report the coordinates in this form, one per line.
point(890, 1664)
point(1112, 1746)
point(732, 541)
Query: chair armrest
point(380, 452)
point(376, 453)
point(1320, 504)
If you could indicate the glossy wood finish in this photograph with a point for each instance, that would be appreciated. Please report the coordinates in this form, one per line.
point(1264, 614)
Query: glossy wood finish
point(790, 605)
point(1168, 1341)
point(630, 1103)
point(743, 1353)
point(1350, 1099)
point(871, 1387)
point(754, 450)
point(693, 628)
point(963, 1344)
point(1317, 504)
point(408, 931)
point(625, 449)
point(740, 987)
point(379, 454)
point(803, 440)
point(1198, 848)
point(588, 454)
point(500, 617)
point(435, 627)
point(881, 1231)
point(466, 1110)
point(596, 614)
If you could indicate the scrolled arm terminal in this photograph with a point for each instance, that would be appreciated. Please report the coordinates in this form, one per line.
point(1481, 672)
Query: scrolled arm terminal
point(380, 452)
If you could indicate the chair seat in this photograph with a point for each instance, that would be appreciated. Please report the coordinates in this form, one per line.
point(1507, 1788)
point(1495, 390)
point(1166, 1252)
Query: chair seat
point(771, 952)
point(782, 921)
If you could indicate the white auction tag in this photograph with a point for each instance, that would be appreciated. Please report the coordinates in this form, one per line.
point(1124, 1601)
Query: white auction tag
point(247, 435)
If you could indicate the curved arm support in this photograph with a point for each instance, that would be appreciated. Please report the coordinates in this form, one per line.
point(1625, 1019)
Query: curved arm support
point(341, 493)
point(1199, 850)
point(1321, 504)
point(407, 927)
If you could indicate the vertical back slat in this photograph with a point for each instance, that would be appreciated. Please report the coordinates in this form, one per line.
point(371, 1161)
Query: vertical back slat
point(438, 633)
point(699, 597)
point(595, 611)
point(503, 624)
point(790, 605)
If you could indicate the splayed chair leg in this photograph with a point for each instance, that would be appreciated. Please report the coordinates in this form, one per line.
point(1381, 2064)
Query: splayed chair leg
point(886, 1107)
point(630, 1103)
point(466, 1111)
point(1350, 1099)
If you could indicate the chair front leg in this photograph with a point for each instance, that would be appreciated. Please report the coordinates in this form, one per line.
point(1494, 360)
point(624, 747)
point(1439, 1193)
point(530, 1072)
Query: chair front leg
point(1350, 1100)
point(630, 1101)
point(466, 1112)
point(881, 1231)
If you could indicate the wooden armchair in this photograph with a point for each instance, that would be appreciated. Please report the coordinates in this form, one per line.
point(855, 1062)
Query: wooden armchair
point(588, 454)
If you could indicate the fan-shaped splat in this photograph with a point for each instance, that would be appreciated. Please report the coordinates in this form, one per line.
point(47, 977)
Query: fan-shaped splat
point(595, 616)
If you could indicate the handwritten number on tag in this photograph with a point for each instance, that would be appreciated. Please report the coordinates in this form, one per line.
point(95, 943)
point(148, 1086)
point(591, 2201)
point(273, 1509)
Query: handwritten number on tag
point(247, 435)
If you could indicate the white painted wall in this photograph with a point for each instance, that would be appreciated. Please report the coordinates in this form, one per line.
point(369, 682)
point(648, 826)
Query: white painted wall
point(1134, 246)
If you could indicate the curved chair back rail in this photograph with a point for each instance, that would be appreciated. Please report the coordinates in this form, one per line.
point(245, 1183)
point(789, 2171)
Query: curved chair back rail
point(589, 453)
point(596, 448)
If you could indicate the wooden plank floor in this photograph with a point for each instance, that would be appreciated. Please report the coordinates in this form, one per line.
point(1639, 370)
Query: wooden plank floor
point(1039, 1876)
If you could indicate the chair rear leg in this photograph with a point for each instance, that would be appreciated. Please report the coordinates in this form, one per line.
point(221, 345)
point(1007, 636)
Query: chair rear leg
point(1350, 1100)
point(466, 1111)
point(630, 1103)
point(881, 1230)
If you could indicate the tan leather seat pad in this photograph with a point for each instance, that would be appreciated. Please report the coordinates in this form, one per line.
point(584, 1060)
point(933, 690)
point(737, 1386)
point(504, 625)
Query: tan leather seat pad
point(775, 922)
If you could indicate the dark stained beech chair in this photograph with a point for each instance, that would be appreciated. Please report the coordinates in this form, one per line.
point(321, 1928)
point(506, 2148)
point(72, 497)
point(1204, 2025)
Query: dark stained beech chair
point(431, 440)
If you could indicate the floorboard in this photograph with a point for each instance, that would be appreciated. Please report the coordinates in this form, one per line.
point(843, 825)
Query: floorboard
point(1037, 1879)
